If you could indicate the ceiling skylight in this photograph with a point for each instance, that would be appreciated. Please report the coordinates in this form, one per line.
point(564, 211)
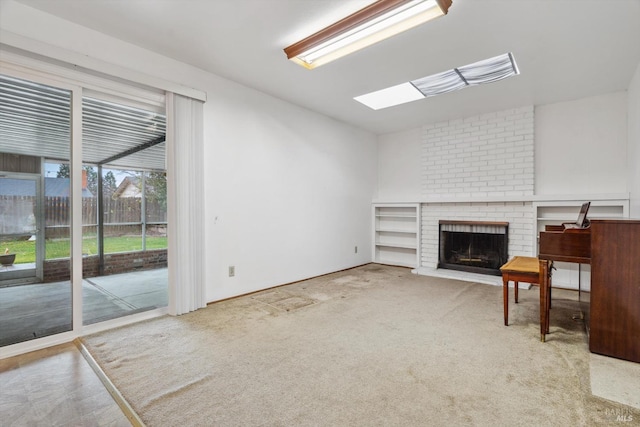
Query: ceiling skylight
point(394, 95)
point(481, 72)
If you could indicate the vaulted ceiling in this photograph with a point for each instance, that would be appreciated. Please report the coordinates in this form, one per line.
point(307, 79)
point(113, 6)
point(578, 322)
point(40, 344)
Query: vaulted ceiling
point(565, 49)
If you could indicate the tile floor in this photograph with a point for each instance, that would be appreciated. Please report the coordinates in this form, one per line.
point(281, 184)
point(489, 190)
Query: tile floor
point(55, 387)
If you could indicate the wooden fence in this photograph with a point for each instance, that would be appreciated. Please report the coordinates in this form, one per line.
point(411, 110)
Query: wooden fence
point(16, 215)
point(124, 213)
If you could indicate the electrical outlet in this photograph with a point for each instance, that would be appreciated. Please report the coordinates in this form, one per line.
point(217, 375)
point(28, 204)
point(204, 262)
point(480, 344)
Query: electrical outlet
point(232, 270)
point(355, 250)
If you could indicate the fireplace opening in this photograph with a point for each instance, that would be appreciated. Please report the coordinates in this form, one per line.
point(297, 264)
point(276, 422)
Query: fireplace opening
point(474, 246)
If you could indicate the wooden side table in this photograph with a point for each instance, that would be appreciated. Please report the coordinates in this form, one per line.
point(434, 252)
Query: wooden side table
point(518, 269)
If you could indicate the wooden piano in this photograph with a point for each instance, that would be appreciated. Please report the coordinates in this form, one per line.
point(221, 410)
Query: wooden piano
point(612, 247)
point(559, 244)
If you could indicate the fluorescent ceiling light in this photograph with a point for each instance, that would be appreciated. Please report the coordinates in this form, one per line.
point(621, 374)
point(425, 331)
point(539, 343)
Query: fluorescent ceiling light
point(481, 72)
point(376, 22)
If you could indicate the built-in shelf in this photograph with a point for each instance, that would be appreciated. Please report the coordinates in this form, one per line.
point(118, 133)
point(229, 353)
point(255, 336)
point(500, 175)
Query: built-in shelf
point(395, 230)
point(396, 234)
point(396, 245)
point(492, 198)
point(556, 212)
point(395, 216)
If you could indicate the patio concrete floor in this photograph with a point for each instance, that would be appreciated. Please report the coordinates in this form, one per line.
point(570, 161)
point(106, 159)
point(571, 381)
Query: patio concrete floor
point(37, 310)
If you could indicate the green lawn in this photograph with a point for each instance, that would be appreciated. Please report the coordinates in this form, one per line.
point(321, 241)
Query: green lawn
point(59, 248)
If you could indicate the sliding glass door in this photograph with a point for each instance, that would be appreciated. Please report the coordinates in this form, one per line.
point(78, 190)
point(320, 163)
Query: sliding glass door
point(82, 207)
point(124, 209)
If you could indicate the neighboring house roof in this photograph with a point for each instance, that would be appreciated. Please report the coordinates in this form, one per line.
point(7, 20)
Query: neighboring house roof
point(53, 187)
point(129, 187)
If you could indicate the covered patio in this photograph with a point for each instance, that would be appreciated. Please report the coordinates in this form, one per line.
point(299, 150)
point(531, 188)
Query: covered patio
point(40, 309)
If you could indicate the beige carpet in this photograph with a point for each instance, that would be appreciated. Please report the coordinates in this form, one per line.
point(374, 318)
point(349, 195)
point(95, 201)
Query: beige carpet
point(370, 346)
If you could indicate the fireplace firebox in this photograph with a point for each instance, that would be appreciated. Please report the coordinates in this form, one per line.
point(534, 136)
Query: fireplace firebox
point(474, 246)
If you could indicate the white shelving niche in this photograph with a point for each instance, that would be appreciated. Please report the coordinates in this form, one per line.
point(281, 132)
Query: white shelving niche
point(396, 236)
point(570, 275)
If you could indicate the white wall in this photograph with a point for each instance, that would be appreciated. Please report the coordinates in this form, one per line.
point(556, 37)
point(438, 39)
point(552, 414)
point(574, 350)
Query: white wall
point(399, 165)
point(288, 192)
point(633, 95)
point(581, 146)
point(291, 192)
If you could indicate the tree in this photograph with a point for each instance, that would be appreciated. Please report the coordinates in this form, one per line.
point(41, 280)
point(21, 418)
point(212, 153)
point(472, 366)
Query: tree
point(63, 171)
point(156, 190)
point(92, 179)
point(109, 184)
point(92, 176)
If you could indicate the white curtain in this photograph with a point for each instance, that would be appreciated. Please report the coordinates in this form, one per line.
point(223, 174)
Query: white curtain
point(481, 72)
point(185, 207)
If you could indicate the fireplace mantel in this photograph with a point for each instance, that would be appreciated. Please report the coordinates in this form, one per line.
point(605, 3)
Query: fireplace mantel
point(494, 223)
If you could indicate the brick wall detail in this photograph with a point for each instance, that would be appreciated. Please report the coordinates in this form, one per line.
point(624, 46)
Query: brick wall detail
point(59, 269)
point(482, 156)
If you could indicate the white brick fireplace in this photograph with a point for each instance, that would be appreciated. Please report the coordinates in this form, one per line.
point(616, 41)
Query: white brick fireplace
point(478, 169)
point(519, 215)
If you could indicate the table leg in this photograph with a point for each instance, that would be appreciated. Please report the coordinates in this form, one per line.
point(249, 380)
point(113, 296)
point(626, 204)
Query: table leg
point(549, 285)
point(515, 290)
point(505, 297)
point(544, 277)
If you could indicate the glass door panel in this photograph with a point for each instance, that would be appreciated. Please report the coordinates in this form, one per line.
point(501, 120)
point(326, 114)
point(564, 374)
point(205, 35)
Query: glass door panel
point(35, 287)
point(123, 274)
point(20, 253)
